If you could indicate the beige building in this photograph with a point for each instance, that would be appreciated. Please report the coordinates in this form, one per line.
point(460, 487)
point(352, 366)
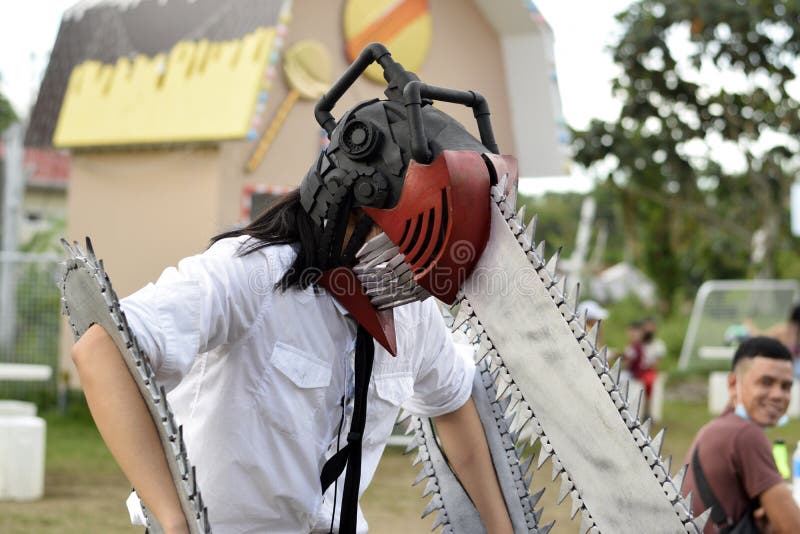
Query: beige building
point(164, 104)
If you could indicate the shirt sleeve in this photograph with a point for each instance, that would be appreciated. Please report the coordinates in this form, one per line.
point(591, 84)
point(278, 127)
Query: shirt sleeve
point(207, 300)
point(443, 381)
point(756, 464)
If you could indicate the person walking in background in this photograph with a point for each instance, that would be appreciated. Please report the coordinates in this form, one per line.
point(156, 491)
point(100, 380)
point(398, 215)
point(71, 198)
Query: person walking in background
point(653, 350)
point(731, 466)
point(633, 355)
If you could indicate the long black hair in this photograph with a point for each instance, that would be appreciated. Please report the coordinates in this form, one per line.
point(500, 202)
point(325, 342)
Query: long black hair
point(284, 222)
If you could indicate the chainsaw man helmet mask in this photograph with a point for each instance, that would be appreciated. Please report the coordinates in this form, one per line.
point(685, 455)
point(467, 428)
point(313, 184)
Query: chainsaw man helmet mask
point(416, 173)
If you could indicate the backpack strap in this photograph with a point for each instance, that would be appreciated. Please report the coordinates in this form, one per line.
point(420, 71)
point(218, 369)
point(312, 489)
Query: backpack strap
point(718, 514)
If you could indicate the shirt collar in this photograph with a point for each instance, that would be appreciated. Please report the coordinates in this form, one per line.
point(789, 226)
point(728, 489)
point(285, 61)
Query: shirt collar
point(339, 307)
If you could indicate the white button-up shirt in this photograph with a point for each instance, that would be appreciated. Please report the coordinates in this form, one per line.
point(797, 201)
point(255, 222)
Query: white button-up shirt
point(256, 377)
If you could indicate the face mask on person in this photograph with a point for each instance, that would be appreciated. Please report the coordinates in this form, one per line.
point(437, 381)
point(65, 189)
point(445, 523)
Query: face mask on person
point(742, 412)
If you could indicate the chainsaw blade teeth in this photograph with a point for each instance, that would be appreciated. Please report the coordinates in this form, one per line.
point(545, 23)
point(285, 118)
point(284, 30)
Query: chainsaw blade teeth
point(678, 478)
point(526, 465)
point(521, 215)
point(548, 527)
point(433, 505)
point(430, 487)
point(540, 253)
point(543, 456)
point(624, 389)
point(573, 304)
point(566, 487)
point(557, 468)
point(502, 184)
point(684, 506)
point(530, 230)
point(441, 519)
point(586, 522)
point(552, 263)
point(577, 503)
point(616, 370)
point(603, 355)
point(658, 442)
point(636, 407)
point(701, 520)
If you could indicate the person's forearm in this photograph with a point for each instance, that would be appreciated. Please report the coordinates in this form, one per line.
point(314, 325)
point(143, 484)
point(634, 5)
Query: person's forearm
point(782, 512)
point(465, 444)
point(121, 416)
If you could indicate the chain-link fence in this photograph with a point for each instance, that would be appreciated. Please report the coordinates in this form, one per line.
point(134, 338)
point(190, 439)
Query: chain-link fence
point(29, 321)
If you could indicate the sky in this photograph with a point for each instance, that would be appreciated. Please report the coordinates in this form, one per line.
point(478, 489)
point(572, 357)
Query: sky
point(583, 29)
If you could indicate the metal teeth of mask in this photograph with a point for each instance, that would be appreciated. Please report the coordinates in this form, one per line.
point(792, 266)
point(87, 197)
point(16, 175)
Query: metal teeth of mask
point(461, 317)
point(386, 277)
point(83, 276)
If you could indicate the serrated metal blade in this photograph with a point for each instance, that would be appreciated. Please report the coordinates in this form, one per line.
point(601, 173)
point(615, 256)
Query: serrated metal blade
point(545, 360)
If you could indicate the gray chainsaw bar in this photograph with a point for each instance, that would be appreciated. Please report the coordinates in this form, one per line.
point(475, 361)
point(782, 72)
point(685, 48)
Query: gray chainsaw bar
point(87, 299)
point(455, 511)
point(568, 398)
point(554, 381)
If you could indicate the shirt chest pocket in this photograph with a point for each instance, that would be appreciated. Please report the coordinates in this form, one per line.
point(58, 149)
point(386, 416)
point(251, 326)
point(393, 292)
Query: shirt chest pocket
point(390, 391)
point(296, 387)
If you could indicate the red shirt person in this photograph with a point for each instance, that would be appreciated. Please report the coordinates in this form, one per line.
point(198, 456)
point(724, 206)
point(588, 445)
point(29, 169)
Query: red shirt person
point(734, 454)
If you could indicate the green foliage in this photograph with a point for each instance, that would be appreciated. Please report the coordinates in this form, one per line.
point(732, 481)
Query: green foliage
point(700, 80)
point(557, 217)
point(7, 115)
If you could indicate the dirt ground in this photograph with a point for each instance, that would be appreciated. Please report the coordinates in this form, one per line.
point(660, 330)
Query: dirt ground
point(88, 497)
point(85, 491)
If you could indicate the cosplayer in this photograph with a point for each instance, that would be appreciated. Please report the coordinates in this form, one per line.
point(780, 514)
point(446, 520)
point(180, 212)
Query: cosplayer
point(286, 350)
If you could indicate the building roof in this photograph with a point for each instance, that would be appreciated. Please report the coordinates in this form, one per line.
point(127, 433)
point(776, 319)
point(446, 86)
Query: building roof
point(105, 31)
point(44, 167)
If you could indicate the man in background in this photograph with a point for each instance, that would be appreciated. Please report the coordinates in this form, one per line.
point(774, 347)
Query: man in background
point(731, 466)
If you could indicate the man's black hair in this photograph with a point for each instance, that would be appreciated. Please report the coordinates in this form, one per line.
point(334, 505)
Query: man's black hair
point(284, 222)
point(766, 347)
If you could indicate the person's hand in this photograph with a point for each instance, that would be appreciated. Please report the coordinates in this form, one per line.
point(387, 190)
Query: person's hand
point(761, 520)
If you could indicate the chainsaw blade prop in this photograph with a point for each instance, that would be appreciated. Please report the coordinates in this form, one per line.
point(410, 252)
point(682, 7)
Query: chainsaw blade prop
point(553, 383)
point(87, 299)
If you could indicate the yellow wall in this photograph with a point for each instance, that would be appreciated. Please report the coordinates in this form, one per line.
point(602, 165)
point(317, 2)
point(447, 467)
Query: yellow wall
point(198, 92)
point(144, 211)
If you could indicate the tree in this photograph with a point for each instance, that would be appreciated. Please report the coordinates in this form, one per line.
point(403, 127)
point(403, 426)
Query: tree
point(704, 150)
point(7, 115)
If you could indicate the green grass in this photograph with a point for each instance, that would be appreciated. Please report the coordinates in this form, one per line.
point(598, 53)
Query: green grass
point(85, 491)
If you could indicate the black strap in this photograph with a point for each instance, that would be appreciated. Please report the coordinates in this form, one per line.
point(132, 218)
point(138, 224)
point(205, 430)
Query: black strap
point(718, 515)
point(350, 454)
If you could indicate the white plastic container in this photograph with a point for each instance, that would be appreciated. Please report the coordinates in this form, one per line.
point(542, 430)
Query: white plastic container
point(19, 408)
point(22, 447)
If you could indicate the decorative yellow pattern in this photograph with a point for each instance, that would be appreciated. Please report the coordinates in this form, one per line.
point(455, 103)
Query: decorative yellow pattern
point(404, 26)
point(201, 91)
